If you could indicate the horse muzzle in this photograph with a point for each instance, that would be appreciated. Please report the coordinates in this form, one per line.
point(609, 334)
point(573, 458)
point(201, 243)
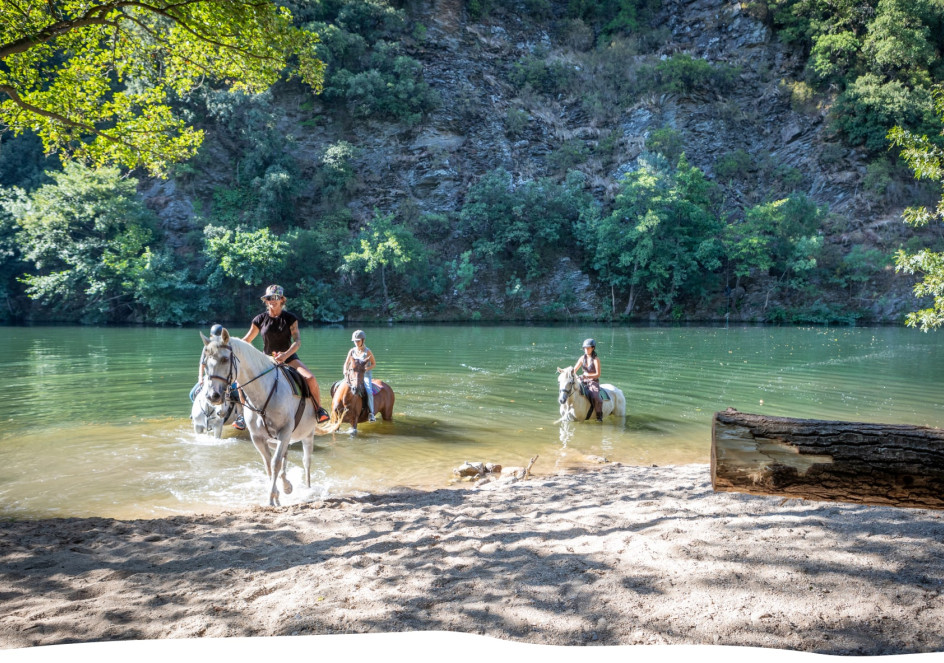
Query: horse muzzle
point(215, 396)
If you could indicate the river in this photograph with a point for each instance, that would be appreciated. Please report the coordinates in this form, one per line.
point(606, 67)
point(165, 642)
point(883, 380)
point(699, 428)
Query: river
point(96, 419)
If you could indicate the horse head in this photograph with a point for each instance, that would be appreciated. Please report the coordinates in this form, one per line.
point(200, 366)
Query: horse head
point(355, 374)
point(566, 381)
point(219, 366)
point(208, 419)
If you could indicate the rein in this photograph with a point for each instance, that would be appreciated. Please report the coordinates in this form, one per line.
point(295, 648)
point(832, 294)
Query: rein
point(229, 387)
point(568, 393)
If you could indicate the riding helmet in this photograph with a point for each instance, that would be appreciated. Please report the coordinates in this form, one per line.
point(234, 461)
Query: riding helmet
point(358, 335)
point(589, 343)
point(216, 330)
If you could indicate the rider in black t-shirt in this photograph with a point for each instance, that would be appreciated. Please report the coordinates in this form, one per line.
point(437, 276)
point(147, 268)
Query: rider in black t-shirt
point(280, 339)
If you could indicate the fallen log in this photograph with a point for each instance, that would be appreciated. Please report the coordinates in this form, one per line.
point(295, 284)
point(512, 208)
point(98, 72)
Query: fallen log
point(882, 464)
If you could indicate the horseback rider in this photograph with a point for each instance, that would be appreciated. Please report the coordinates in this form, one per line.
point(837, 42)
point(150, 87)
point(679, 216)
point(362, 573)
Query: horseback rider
point(363, 353)
point(280, 339)
point(589, 363)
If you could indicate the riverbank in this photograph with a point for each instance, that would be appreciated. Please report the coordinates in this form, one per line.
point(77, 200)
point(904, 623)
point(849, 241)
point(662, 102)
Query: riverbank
point(617, 556)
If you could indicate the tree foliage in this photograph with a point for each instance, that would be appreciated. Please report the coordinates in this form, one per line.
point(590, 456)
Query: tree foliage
point(780, 236)
point(520, 228)
point(96, 79)
point(382, 245)
point(661, 237)
point(85, 236)
point(881, 56)
point(926, 158)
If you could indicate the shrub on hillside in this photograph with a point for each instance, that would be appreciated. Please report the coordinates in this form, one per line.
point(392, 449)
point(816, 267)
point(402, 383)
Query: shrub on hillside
point(684, 74)
point(869, 107)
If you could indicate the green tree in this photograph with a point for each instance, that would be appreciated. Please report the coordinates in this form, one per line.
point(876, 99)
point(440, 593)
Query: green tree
point(85, 236)
point(925, 156)
point(167, 290)
point(779, 236)
point(382, 245)
point(250, 257)
point(95, 79)
point(661, 236)
point(11, 256)
point(521, 228)
point(897, 42)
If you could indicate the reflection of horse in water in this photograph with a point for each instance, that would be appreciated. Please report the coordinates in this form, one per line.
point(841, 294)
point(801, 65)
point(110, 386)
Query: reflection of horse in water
point(208, 418)
point(576, 406)
point(349, 397)
point(274, 412)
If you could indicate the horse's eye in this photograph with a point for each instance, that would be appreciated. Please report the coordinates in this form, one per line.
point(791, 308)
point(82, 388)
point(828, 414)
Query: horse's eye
point(223, 360)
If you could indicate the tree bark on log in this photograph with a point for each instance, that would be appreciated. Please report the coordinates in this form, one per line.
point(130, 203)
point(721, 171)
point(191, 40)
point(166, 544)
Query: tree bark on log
point(881, 464)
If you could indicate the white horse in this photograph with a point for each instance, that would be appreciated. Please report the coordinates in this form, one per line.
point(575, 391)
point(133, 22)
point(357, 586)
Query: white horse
point(270, 404)
point(209, 418)
point(574, 406)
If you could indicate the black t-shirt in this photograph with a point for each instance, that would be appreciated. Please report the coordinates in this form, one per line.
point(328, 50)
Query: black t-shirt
point(276, 332)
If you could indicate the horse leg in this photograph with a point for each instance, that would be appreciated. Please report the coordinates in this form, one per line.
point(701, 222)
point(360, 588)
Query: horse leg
point(307, 444)
point(388, 405)
point(278, 460)
point(286, 484)
point(261, 442)
point(356, 407)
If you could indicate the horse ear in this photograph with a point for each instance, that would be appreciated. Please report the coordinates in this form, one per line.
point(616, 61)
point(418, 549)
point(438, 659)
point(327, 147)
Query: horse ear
point(560, 370)
point(206, 341)
point(224, 336)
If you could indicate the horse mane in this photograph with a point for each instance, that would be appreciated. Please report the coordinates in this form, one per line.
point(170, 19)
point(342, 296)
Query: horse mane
point(253, 360)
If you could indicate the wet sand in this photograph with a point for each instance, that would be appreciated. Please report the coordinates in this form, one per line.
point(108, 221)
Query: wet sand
point(619, 555)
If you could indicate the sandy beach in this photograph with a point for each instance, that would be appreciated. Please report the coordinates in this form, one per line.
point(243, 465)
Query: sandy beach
point(619, 555)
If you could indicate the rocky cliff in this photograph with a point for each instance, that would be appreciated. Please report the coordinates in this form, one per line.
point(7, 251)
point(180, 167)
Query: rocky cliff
point(428, 168)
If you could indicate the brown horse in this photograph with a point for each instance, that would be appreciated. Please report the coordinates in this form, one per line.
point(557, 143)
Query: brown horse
point(349, 400)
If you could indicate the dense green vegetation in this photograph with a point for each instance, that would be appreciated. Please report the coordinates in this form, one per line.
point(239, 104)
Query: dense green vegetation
point(666, 238)
point(99, 80)
point(882, 56)
point(926, 158)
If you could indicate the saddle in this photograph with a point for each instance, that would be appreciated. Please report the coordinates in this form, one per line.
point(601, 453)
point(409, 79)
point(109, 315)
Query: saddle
point(299, 384)
point(604, 395)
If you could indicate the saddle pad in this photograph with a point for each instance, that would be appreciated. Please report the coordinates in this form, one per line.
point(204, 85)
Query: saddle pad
point(374, 388)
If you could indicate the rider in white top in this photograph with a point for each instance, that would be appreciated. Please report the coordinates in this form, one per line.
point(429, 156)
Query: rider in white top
point(362, 352)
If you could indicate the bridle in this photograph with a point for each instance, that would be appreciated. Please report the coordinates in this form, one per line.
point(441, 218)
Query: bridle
point(355, 378)
point(228, 381)
point(565, 394)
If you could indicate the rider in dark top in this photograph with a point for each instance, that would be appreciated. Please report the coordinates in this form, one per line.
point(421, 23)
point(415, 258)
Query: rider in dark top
point(589, 363)
point(280, 340)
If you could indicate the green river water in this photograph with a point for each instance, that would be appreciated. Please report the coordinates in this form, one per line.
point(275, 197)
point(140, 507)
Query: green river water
point(96, 420)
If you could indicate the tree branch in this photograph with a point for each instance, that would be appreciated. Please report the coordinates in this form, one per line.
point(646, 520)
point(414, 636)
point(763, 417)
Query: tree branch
point(57, 117)
point(167, 14)
point(97, 16)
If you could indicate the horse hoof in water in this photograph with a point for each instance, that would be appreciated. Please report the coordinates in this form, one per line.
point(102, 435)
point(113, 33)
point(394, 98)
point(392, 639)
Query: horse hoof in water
point(286, 487)
point(274, 500)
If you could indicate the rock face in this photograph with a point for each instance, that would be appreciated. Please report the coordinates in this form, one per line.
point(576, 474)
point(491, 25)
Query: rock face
point(429, 167)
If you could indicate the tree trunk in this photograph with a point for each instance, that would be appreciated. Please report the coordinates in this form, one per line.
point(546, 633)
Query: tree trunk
point(885, 464)
point(383, 282)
